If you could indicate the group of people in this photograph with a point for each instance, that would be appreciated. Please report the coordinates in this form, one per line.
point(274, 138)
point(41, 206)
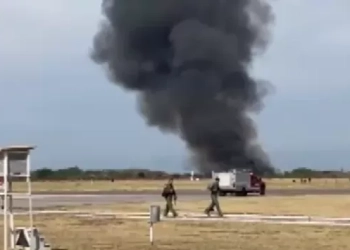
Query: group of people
point(170, 196)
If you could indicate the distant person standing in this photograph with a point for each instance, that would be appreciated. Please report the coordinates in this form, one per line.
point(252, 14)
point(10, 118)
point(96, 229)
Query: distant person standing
point(170, 196)
point(214, 189)
point(2, 189)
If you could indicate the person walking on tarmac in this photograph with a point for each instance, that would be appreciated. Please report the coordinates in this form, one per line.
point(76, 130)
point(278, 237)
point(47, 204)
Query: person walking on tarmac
point(169, 195)
point(214, 189)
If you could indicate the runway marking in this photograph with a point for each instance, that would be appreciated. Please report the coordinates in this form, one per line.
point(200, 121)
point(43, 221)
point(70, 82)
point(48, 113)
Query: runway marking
point(45, 196)
point(268, 219)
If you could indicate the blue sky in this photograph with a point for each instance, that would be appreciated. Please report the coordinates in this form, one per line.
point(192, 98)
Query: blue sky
point(53, 96)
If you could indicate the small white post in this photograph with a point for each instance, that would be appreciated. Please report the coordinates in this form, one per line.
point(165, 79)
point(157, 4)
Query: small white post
point(154, 217)
point(192, 176)
point(151, 233)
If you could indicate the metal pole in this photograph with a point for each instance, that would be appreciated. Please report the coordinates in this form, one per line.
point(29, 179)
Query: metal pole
point(30, 197)
point(12, 225)
point(151, 233)
point(5, 172)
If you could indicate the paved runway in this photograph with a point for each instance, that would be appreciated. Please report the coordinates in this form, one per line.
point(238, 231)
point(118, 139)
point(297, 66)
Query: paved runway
point(59, 200)
point(273, 192)
point(52, 200)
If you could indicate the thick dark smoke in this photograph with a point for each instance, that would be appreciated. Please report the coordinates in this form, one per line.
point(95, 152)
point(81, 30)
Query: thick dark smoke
point(189, 62)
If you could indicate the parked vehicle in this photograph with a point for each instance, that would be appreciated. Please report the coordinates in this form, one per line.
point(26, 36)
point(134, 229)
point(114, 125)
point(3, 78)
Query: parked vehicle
point(239, 182)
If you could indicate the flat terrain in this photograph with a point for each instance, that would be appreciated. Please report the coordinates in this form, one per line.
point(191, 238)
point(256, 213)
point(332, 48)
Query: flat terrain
point(181, 185)
point(311, 205)
point(79, 233)
point(323, 206)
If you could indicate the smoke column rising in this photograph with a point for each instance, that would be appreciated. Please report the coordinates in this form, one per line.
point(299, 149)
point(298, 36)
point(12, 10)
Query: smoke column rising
point(189, 61)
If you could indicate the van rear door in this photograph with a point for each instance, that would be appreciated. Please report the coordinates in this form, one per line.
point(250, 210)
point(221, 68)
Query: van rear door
point(225, 180)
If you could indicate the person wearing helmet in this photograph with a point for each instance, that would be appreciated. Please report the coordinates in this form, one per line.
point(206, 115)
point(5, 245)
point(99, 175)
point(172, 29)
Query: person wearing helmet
point(170, 196)
point(214, 189)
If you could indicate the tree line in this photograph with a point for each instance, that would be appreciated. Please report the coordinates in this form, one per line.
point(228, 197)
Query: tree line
point(76, 173)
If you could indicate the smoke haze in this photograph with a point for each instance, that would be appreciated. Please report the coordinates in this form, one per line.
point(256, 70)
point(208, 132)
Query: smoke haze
point(189, 62)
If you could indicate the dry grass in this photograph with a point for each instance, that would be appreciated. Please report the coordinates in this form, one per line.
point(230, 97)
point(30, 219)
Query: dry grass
point(73, 233)
point(332, 206)
point(147, 185)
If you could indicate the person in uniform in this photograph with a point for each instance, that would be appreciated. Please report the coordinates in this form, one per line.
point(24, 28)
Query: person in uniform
point(170, 196)
point(214, 192)
point(2, 197)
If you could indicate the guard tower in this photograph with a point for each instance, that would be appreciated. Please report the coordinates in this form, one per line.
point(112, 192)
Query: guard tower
point(15, 164)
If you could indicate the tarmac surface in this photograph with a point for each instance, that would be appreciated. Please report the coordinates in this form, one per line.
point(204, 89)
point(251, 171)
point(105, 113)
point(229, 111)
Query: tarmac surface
point(270, 192)
point(45, 200)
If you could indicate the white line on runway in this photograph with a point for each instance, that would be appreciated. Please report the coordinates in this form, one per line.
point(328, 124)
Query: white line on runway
point(45, 196)
point(296, 220)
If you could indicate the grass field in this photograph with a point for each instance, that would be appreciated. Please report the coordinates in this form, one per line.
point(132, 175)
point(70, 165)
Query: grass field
point(327, 206)
point(78, 233)
point(147, 185)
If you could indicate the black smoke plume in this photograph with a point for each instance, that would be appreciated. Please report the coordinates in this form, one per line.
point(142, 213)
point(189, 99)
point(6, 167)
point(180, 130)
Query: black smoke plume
point(189, 62)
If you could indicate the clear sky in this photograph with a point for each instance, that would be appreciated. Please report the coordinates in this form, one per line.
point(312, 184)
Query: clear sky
point(53, 96)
